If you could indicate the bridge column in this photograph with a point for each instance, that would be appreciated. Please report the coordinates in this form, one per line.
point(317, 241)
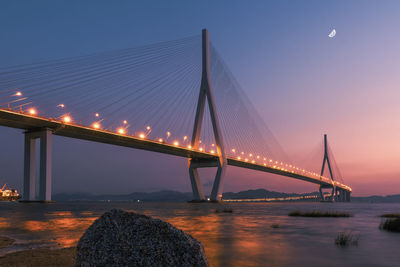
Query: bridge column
point(45, 165)
point(197, 188)
point(45, 171)
point(347, 196)
point(29, 192)
point(333, 194)
point(321, 195)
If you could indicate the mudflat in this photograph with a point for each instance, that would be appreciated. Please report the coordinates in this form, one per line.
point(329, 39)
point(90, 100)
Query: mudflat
point(37, 257)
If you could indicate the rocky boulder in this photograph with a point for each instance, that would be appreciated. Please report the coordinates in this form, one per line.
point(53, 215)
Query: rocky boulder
point(120, 238)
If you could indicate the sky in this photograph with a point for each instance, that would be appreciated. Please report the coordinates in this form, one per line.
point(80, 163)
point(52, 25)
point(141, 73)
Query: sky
point(302, 82)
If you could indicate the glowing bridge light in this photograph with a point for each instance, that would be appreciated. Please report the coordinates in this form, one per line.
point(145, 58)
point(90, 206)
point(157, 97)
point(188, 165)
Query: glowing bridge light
point(246, 160)
point(212, 151)
point(250, 155)
point(270, 160)
point(201, 149)
point(168, 134)
point(121, 130)
point(96, 125)
point(148, 128)
point(239, 158)
point(18, 93)
point(212, 144)
point(32, 111)
point(185, 138)
point(160, 140)
point(189, 147)
point(233, 150)
point(142, 135)
point(67, 119)
point(125, 122)
point(264, 158)
point(253, 161)
point(258, 157)
point(61, 106)
point(176, 143)
point(97, 114)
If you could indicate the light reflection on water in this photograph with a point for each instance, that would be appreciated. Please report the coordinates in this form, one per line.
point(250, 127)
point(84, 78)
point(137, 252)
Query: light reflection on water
point(242, 238)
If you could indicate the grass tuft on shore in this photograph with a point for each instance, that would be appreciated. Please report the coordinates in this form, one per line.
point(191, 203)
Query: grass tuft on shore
point(390, 215)
point(226, 210)
point(275, 225)
point(316, 213)
point(391, 225)
point(345, 239)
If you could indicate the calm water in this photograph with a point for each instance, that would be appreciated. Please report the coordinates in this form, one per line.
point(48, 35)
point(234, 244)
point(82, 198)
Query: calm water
point(242, 238)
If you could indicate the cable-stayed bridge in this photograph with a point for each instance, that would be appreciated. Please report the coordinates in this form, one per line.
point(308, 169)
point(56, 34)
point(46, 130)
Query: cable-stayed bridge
point(176, 97)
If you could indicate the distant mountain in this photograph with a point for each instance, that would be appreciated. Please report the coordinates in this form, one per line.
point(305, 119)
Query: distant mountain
point(377, 199)
point(261, 193)
point(142, 196)
point(171, 196)
point(175, 196)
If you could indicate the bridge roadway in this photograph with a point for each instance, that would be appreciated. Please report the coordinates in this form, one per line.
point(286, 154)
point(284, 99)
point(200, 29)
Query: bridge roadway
point(30, 123)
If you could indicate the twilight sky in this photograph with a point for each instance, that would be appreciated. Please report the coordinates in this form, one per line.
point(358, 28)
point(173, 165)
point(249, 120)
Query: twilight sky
point(302, 82)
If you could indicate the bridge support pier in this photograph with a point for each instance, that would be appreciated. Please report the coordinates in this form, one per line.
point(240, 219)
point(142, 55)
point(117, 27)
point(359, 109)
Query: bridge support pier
point(197, 188)
point(346, 196)
point(332, 197)
point(45, 171)
point(206, 93)
point(341, 195)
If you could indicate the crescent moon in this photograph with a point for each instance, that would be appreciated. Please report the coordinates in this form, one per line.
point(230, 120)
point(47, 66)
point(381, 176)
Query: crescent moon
point(332, 34)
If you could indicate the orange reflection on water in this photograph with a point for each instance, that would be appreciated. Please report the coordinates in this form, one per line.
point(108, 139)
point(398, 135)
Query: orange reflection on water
point(35, 225)
point(66, 231)
point(61, 213)
point(207, 229)
point(4, 223)
point(59, 224)
point(221, 234)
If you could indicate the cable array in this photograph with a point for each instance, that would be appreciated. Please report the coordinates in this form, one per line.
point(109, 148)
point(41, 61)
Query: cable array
point(150, 92)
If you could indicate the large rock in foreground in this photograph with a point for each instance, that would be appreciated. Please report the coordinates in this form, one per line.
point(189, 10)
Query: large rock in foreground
point(120, 238)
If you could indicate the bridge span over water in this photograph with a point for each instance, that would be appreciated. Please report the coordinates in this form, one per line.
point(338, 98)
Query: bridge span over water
point(25, 117)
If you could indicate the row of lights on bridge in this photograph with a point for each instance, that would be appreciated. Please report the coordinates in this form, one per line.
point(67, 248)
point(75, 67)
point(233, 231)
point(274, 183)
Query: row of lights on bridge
point(242, 155)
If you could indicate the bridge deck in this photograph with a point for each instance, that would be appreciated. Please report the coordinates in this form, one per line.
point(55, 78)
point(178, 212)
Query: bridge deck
point(14, 119)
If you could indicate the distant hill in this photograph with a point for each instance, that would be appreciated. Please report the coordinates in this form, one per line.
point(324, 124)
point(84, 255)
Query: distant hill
point(261, 193)
point(142, 196)
point(377, 199)
point(171, 196)
point(175, 196)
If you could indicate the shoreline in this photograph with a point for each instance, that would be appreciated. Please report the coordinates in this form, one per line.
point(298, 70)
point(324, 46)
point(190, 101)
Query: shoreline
point(37, 257)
